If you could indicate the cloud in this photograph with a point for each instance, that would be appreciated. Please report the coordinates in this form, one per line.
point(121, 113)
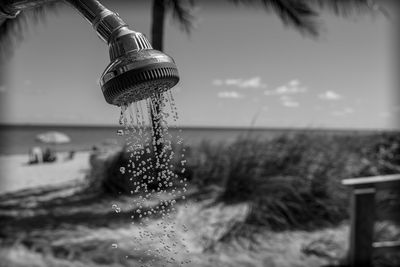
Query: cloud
point(294, 83)
point(292, 87)
point(343, 112)
point(229, 94)
point(232, 81)
point(290, 90)
point(254, 82)
point(289, 102)
point(330, 95)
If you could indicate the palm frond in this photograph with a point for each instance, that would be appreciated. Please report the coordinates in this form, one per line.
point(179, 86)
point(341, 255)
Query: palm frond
point(13, 31)
point(295, 13)
point(182, 12)
point(345, 8)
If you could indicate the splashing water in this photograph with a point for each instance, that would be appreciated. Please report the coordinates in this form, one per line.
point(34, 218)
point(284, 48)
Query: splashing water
point(156, 170)
point(116, 208)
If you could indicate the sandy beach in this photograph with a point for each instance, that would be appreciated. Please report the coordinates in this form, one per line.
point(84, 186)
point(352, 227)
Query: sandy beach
point(16, 174)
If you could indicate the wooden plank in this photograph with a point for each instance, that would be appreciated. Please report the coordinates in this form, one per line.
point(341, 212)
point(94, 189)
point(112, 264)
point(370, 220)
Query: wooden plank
point(362, 227)
point(380, 182)
point(386, 246)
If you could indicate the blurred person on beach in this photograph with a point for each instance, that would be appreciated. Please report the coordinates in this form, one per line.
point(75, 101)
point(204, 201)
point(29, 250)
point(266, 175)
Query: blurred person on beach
point(70, 155)
point(35, 155)
point(49, 155)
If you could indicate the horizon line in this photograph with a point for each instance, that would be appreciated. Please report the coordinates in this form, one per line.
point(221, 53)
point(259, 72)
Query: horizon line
point(205, 127)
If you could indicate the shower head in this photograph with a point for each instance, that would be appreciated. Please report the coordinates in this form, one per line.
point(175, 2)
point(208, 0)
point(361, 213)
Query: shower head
point(136, 71)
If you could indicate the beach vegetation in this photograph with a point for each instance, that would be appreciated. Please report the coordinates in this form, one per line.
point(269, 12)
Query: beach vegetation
point(291, 182)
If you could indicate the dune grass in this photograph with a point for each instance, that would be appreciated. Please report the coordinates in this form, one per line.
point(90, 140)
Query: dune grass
point(290, 182)
point(294, 181)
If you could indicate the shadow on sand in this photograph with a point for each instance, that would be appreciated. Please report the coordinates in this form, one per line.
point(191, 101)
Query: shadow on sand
point(71, 204)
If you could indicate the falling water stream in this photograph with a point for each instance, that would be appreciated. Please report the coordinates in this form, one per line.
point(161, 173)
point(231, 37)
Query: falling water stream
point(156, 168)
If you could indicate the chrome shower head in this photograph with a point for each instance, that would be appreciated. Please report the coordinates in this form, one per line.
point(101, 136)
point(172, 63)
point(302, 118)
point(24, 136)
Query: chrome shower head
point(136, 71)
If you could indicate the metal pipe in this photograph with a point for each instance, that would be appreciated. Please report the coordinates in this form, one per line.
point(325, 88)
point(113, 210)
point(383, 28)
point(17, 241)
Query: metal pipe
point(105, 22)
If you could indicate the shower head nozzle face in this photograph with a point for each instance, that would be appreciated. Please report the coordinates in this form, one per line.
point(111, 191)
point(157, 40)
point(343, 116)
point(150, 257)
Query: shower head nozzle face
point(138, 84)
point(137, 74)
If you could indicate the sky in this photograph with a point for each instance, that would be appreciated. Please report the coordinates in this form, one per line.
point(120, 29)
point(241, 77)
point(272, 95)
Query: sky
point(239, 67)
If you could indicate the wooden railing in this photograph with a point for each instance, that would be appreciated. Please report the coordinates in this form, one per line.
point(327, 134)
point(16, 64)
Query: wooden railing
point(363, 212)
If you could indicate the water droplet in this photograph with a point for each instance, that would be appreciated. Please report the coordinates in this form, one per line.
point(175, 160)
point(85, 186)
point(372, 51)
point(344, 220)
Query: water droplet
point(116, 208)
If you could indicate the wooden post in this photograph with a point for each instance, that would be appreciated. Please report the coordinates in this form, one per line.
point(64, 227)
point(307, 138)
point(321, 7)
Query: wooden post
point(363, 216)
point(362, 226)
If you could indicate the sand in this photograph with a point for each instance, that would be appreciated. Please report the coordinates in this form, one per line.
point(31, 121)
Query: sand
point(16, 174)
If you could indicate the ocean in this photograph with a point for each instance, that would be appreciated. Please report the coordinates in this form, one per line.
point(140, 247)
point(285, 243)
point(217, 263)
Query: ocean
point(17, 139)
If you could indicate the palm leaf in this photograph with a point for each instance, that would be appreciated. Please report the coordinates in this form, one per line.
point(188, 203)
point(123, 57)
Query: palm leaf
point(296, 13)
point(182, 12)
point(12, 31)
point(345, 8)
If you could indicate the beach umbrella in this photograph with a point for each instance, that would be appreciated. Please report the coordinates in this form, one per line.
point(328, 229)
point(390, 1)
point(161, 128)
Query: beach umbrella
point(53, 137)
